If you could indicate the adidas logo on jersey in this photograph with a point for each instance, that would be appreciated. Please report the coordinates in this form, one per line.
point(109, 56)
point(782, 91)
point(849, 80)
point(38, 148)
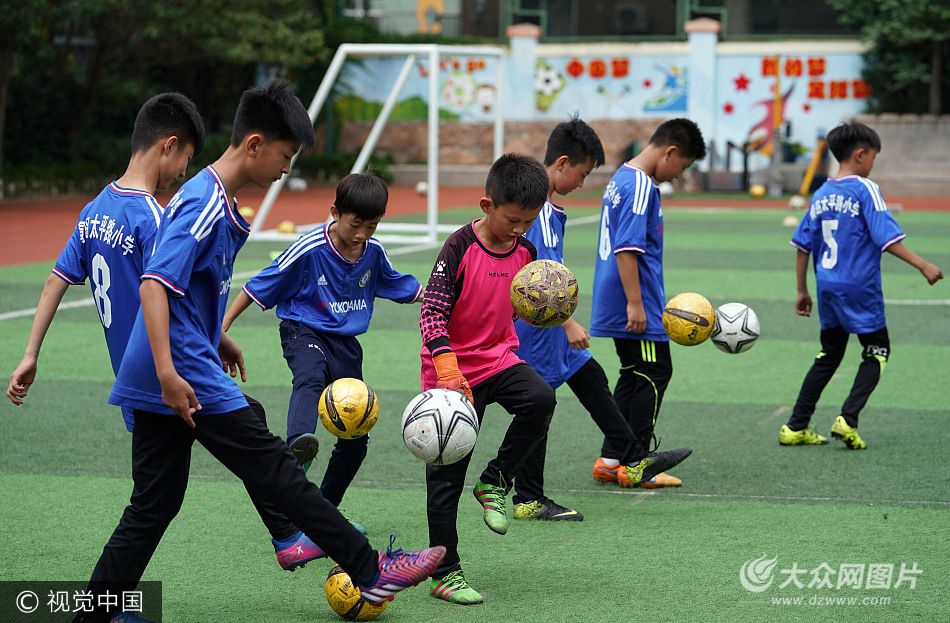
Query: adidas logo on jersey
point(322, 281)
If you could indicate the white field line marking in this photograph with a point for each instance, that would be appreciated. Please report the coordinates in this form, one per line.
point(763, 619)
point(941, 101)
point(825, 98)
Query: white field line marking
point(581, 220)
point(237, 279)
point(241, 277)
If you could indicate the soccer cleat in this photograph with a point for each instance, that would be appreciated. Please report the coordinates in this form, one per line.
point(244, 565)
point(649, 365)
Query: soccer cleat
point(604, 473)
point(493, 501)
point(849, 436)
point(546, 509)
point(804, 437)
point(661, 481)
point(359, 527)
point(454, 588)
point(301, 551)
point(305, 448)
point(651, 465)
point(399, 570)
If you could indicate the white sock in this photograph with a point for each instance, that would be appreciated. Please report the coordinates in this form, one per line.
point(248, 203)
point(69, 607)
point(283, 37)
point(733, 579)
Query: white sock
point(610, 462)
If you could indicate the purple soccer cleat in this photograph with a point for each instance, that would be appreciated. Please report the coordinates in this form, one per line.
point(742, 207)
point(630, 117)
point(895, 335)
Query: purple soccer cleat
point(399, 570)
point(301, 551)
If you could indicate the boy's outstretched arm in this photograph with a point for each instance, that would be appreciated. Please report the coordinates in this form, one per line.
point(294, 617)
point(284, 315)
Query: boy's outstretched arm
point(232, 358)
point(25, 372)
point(176, 392)
point(577, 335)
point(241, 302)
point(628, 267)
point(931, 272)
point(803, 299)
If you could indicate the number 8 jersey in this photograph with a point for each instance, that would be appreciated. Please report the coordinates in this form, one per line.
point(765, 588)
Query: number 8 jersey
point(114, 233)
point(845, 229)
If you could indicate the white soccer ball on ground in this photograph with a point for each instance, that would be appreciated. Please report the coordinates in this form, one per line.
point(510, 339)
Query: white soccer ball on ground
point(422, 188)
point(440, 426)
point(737, 328)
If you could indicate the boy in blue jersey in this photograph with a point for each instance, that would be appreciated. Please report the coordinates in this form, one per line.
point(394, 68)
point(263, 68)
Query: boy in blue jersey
point(628, 296)
point(174, 379)
point(560, 354)
point(114, 235)
point(324, 286)
point(115, 232)
point(845, 229)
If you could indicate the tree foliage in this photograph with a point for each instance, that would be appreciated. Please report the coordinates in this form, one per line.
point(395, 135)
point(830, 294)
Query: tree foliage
point(74, 72)
point(907, 66)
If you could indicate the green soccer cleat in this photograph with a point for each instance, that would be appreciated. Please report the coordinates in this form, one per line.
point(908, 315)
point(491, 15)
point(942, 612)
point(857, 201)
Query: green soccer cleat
point(804, 437)
point(646, 468)
point(546, 509)
point(305, 448)
point(494, 502)
point(453, 588)
point(359, 527)
point(849, 436)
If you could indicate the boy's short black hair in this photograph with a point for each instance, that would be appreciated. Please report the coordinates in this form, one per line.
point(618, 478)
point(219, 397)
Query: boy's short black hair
point(364, 196)
point(847, 137)
point(576, 140)
point(275, 112)
point(164, 115)
point(519, 180)
point(683, 134)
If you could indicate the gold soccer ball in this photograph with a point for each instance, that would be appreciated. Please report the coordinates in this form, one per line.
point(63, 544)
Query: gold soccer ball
point(544, 293)
point(348, 408)
point(689, 318)
point(345, 599)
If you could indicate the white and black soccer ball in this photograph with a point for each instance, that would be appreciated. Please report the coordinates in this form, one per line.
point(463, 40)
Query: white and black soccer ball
point(737, 328)
point(440, 426)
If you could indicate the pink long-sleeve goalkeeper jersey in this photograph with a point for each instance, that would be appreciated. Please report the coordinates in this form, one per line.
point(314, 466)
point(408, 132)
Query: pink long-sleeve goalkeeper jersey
point(467, 307)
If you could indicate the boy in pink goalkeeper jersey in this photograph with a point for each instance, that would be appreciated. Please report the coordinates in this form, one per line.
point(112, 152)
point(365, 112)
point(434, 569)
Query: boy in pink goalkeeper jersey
point(469, 343)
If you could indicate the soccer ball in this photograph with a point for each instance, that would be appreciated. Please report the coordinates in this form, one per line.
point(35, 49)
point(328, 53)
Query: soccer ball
point(689, 318)
point(286, 227)
point(348, 408)
point(440, 426)
point(345, 598)
point(757, 190)
point(737, 328)
point(544, 293)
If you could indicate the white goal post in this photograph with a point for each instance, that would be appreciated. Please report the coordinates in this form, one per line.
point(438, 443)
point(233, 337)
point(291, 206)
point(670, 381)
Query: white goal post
point(420, 233)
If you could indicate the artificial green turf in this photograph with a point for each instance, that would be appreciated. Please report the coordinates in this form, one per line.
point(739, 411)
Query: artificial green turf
point(636, 556)
point(670, 556)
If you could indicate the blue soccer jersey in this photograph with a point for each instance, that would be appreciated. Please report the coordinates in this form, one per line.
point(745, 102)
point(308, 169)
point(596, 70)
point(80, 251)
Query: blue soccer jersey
point(199, 236)
point(845, 229)
point(115, 232)
point(312, 283)
point(631, 221)
point(547, 350)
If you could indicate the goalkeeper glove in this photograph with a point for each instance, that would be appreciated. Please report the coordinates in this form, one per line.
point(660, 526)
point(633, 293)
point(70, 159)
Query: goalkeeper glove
point(449, 376)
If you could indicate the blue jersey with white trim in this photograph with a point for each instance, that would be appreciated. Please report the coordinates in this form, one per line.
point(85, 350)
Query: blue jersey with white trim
point(312, 283)
point(199, 236)
point(114, 234)
point(547, 350)
point(845, 229)
point(631, 221)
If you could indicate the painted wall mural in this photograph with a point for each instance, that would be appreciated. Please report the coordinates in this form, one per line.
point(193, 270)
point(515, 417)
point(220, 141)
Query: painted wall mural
point(818, 90)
